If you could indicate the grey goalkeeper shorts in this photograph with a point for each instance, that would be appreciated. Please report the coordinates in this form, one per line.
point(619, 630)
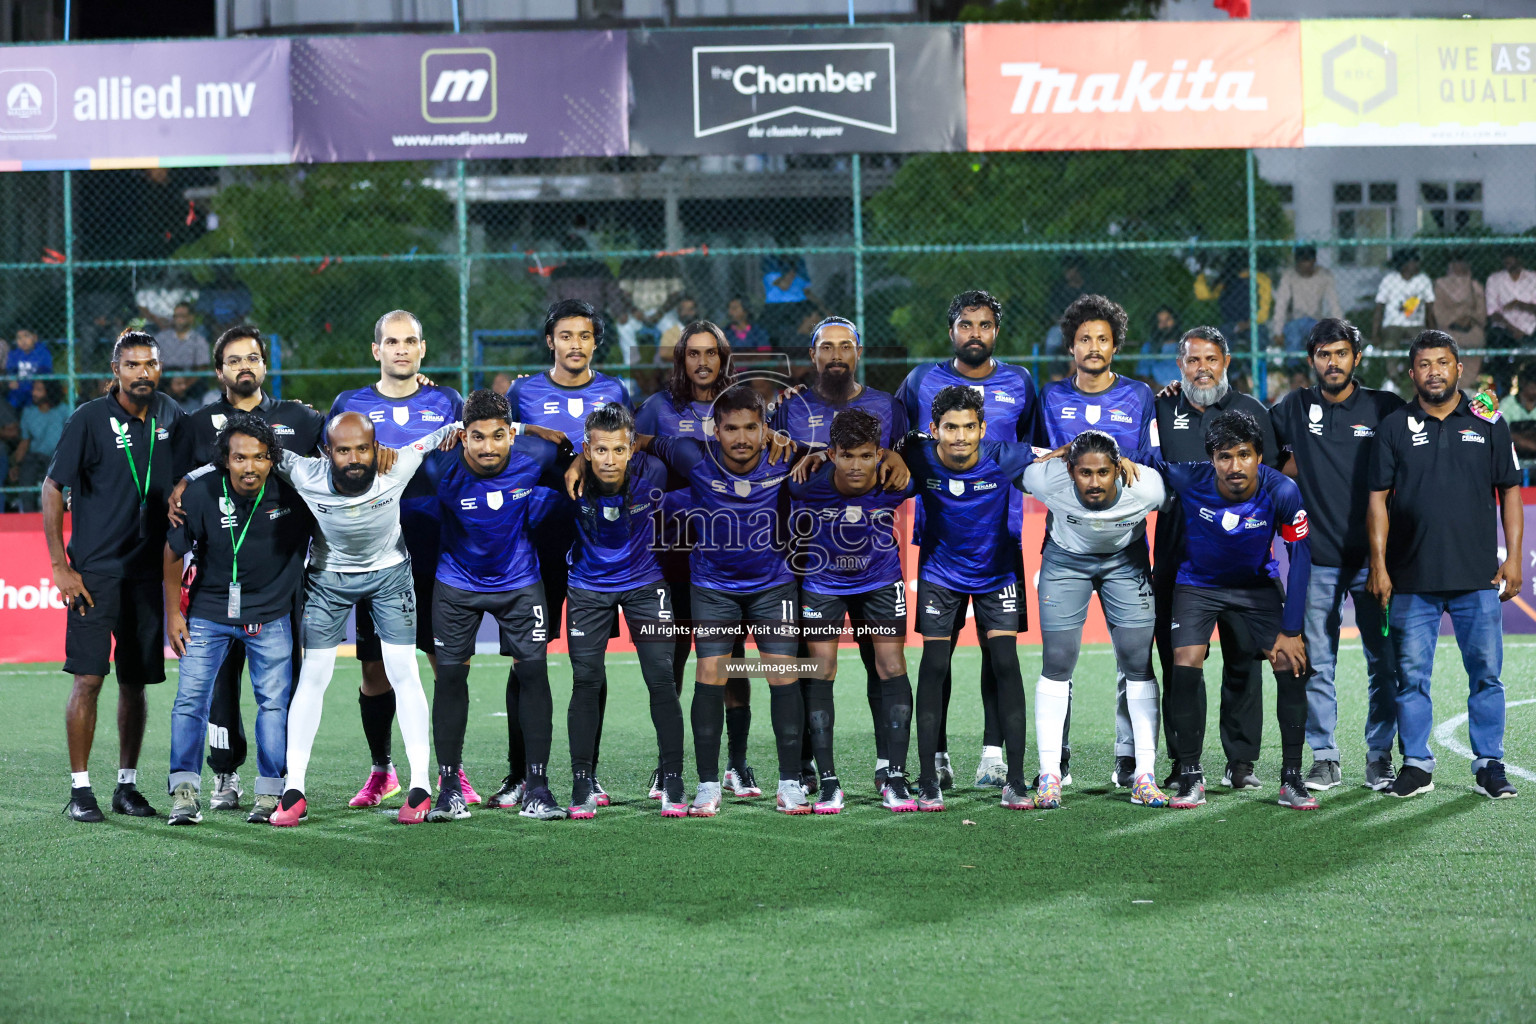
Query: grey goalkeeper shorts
point(1122, 579)
point(329, 596)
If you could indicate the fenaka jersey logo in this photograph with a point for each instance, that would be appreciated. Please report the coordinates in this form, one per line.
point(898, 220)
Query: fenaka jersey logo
point(458, 86)
point(834, 86)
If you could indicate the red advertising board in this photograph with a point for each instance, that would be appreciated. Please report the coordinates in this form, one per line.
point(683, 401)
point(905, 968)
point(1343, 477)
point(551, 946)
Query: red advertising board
point(1133, 85)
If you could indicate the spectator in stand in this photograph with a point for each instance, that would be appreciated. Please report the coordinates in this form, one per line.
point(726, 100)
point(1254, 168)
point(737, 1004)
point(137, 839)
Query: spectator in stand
point(1519, 410)
point(669, 327)
point(27, 359)
point(182, 345)
point(1461, 309)
point(1066, 288)
point(1511, 303)
point(10, 431)
point(627, 325)
point(1405, 302)
point(787, 299)
point(226, 303)
point(1305, 296)
point(501, 383)
point(42, 424)
point(1228, 288)
point(181, 391)
point(1162, 340)
point(741, 332)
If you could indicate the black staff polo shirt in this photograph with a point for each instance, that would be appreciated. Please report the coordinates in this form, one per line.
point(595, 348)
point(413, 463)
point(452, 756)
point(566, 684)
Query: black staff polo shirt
point(299, 429)
point(92, 461)
point(1443, 475)
point(1331, 443)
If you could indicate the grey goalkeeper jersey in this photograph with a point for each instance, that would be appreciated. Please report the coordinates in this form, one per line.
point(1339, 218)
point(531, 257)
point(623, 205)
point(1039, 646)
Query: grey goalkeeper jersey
point(1083, 531)
point(357, 532)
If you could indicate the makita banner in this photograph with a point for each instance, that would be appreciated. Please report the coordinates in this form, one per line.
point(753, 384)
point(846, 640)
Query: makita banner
point(1133, 85)
point(878, 90)
point(538, 94)
point(115, 105)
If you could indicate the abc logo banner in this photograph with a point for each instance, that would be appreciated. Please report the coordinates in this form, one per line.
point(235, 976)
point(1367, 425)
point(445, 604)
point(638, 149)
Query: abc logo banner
point(443, 97)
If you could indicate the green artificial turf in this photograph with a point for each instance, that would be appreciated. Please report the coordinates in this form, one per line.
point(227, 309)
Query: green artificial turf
point(1370, 909)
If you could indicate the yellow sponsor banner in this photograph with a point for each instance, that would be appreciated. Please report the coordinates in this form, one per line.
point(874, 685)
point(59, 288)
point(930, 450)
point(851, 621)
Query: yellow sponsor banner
point(1417, 82)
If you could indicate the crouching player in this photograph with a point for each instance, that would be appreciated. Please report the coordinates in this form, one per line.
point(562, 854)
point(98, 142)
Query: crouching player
point(1233, 508)
point(1097, 543)
point(849, 560)
point(613, 565)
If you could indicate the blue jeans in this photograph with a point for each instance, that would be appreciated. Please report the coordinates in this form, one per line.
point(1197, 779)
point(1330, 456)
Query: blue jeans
point(268, 655)
point(1479, 627)
point(1296, 332)
point(1325, 602)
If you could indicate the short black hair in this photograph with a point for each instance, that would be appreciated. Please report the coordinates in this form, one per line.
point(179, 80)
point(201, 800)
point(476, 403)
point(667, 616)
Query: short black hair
point(251, 426)
point(485, 404)
point(1204, 332)
point(54, 395)
point(567, 309)
point(1402, 256)
point(1304, 252)
point(1433, 339)
point(245, 332)
point(133, 339)
point(970, 300)
point(1231, 429)
point(1329, 330)
point(610, 416)
point(957, 398)
point(1088, 308)
point(738, 397)
point(852, 428)
point(1092, 441)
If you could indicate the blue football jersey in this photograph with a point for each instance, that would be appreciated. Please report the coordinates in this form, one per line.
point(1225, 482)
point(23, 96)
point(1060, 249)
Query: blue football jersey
point(1231, 543)
point(660, 416)
point(807, 417)
point(617, 535)
point(540, 401)
point(1126, 412)
point(737, 522)
point(398, 422)
point(486, 545)
point(966, 541)
point(845, 544)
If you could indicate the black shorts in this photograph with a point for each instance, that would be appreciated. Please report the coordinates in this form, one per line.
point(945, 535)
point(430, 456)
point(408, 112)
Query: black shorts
point(594, 616)
point(879, 614)
point(940, 610)
point(133, 611)
point(720, 617)
point(1255, 613)
point(521, 617)
point(368, 648)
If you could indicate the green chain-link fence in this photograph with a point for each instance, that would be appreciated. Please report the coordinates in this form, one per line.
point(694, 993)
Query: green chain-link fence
point(313, 254)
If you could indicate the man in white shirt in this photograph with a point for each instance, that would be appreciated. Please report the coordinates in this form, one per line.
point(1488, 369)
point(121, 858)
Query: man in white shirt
point(1405, 302)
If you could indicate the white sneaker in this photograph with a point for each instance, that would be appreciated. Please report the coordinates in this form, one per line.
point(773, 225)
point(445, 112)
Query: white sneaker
point(226, 792)
point(706, 802)
point(991, 772)
point(742, 783)
point(792, 799)
point(944, 770)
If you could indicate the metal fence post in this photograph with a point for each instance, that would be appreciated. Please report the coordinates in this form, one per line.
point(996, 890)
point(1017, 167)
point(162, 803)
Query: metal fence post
point(858, 247)
point(1255, 351)
point(69, 286)
point(462, 216)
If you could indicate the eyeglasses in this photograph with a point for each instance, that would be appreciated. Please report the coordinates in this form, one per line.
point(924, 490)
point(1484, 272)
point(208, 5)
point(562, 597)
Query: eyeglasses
point(254, 359)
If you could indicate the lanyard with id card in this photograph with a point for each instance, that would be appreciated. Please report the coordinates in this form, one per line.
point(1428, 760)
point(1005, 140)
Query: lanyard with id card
point(232, 607)
point(142, 490)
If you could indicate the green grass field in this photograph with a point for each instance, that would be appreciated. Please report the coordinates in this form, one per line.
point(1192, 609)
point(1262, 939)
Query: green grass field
point(1370, 909)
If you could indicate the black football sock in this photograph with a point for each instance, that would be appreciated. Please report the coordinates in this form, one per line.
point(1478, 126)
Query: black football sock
point(1186, 713)
point(896, 720)
point(1291, 711)
point(708, 715)
point(666, 710)
point(450, 712)
point(378, 715)
point(992, 732)
point(583, 716)
point(818, 710)
point(738, 727)
point(1010, 703)
point(931, 674)
point(787, 709)
point(517, 751)
point(602, 711)
point(537, 711)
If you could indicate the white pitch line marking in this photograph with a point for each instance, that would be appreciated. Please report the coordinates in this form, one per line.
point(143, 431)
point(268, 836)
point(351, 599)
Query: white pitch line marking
point(1445, 735)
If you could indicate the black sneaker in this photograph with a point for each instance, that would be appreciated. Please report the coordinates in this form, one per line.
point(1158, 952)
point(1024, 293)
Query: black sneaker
point(1190, 790)
point(1411, 781)
point(1492, 782)
point(450, 805)
point(1124, 775)
point(82, 805)
point(126, 799)
point(1174, 771)
point(1240, 775)
point(1379, 775)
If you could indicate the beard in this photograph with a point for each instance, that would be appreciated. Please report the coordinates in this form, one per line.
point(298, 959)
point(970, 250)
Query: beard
point(245, 387)
point(1436, 397)
point(354, 483)
point(973, 353)
point(1207, 396)
point(835, 384)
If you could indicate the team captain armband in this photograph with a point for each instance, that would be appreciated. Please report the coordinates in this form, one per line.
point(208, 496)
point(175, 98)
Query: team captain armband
point(1297, 529)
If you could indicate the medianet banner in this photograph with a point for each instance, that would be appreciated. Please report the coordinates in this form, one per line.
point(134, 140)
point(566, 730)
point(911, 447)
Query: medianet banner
point(877, 90)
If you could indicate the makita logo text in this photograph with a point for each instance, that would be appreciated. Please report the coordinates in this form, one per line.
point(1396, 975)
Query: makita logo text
point(754, 79)
point(1051, 90)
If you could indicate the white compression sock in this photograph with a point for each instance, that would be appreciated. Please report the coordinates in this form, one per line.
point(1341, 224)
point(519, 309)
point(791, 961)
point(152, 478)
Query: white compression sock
point(304, 711)
point(1141, 704)
point(410, 710)
point(1052, 697)
point(127, 776)
point(79, 780)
